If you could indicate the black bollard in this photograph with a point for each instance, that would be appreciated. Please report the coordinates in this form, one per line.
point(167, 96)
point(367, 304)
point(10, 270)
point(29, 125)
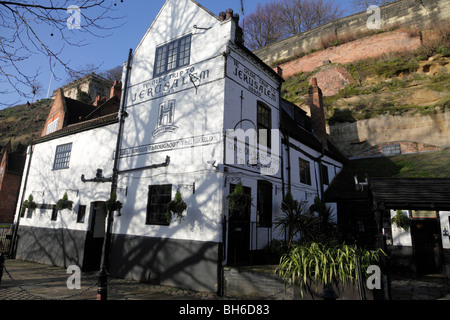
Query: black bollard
point(102, 291)
point(328, 292)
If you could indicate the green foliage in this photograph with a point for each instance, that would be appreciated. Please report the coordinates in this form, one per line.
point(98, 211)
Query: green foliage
point(401, 220)
point(176, 208)
point(83, 96)
point(113, 204)
point(64, 203)
point(238, 199)
point(313, 263)
point(297, 220)
point(29, 204)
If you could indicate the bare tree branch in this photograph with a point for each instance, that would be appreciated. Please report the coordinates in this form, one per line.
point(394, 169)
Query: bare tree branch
point(274, 21)
point(24, 30)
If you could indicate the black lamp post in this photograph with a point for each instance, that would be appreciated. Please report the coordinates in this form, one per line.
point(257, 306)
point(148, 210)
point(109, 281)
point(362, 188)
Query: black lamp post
point(102, 291)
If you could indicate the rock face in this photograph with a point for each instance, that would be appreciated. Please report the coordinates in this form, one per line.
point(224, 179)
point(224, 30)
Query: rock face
point(332, 79)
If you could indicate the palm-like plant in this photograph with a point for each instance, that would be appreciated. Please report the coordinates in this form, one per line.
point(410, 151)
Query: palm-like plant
point(315, 263)
point(297, 221)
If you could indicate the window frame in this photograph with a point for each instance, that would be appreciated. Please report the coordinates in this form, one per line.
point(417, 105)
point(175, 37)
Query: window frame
point(264, 205)
point(162, 199)
point(325, 176)
point(81, 213)
point(164, 56)
point(264, 125)
point(54, 215)
point(63, 154)
point(304, 171)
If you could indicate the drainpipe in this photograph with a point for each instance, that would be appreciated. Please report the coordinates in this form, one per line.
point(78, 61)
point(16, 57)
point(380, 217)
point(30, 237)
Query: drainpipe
point(12, 252)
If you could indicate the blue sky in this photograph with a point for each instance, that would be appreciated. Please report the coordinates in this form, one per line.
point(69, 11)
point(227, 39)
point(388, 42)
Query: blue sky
point(111, 51)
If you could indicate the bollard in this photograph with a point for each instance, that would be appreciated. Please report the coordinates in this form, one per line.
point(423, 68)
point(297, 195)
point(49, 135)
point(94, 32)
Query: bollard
point(102, 291)
point(2, 265)
point(328, 292)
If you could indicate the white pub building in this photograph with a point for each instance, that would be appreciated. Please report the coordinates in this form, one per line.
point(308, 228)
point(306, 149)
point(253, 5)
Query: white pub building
point(201, 113)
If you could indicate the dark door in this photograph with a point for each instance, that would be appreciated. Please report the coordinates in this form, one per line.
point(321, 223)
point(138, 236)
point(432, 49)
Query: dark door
point(427, 246)
point(239, 234)
point(95, 237)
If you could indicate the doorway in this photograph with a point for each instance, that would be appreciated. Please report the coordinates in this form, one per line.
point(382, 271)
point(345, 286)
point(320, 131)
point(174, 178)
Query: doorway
point(95, 237)
point(238, 252)
point(427, 247)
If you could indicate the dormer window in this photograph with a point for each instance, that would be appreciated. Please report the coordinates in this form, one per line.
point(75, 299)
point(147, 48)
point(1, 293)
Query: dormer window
point(172, 55)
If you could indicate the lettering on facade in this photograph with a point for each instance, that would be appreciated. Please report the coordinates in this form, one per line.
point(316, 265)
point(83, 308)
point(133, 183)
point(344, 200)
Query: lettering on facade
point(166, 118)
point(195, 141)
point(250, 80)
point(168, 84)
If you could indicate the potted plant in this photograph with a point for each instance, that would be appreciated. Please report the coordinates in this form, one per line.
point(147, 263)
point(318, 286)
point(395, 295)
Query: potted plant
point(113, 204)
point(176, 208)
point(64, 203)
point(314, 264)
point(29, 204)
point(238, 199)
point(401, 220)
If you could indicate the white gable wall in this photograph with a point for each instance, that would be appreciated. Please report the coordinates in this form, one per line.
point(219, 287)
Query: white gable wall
point(193, 137)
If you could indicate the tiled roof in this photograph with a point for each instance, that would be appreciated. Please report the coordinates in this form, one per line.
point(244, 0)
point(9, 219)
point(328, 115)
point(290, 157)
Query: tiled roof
point(431, 164)
point(80, 126)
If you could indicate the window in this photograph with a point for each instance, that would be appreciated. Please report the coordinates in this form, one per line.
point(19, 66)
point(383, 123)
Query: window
point(173, 55)
point(263, 123)
point(81, 213)
point(52, 126)
point(158, 198)
point(264, 204)
point(54, 216)
point(305, 172)
point(62, 156)
point(325, 179)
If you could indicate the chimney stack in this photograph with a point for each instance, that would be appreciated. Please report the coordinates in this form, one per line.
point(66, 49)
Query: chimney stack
point(317, 113)
point(116, 90)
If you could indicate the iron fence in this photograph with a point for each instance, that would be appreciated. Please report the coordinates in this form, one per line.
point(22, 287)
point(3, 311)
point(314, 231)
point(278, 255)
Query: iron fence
point(5, 237)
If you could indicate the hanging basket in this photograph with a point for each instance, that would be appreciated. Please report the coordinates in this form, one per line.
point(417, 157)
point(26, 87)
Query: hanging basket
point(113, 204)
point(401, 220)
point(175, 208)
point(64, 203)
point(238, 199)
point(29, 204)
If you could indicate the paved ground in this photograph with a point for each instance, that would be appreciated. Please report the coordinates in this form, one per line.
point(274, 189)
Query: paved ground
point(33, 281)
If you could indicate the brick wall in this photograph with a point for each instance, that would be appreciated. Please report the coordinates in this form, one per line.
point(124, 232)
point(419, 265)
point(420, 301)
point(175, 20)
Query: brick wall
point(255, 282)
point(8, 195)
point(369, 47)
point(57, 111)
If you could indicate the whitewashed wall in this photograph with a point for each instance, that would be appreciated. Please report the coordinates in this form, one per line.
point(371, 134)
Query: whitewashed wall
point(91, 150)
point(194, 138)
point(400, 237)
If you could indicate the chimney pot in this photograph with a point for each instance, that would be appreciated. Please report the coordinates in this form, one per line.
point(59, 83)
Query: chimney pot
point(229, 14)
point(222, 15)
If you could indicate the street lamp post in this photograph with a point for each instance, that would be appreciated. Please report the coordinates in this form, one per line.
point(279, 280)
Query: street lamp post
point(102, 291)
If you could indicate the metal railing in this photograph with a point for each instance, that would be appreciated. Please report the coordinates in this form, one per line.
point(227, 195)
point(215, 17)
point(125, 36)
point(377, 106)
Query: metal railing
point(5, 237)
